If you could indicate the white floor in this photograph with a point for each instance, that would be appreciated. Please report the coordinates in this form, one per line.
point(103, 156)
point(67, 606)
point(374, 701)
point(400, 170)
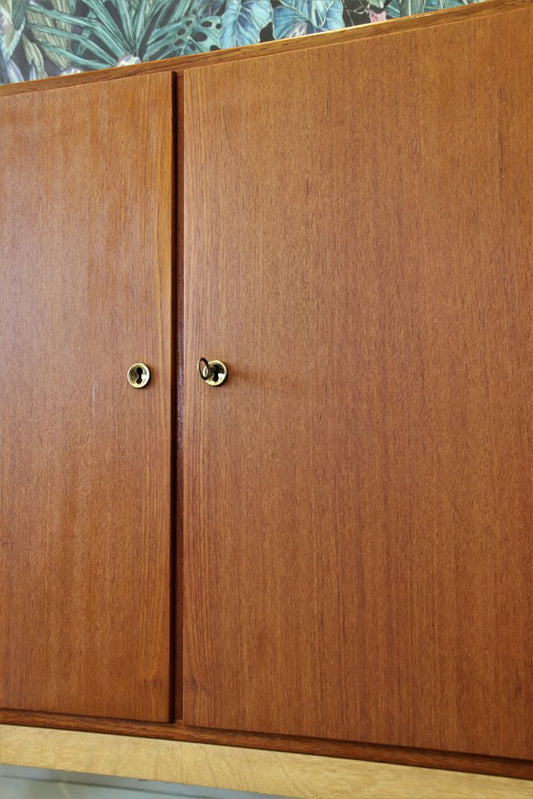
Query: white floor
point(27, 783)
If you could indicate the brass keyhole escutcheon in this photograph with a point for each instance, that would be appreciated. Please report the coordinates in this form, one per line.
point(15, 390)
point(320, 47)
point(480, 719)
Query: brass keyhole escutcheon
point(212, 372)
point(138, 375)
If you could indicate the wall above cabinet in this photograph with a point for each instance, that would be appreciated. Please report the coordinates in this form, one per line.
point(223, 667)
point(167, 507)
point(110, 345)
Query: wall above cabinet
point(45, 38)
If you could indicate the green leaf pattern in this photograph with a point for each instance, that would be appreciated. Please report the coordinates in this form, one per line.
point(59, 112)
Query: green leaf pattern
point(41, 38)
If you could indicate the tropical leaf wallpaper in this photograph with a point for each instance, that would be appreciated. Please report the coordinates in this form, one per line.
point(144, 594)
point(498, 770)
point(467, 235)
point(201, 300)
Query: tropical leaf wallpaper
point(39, 38)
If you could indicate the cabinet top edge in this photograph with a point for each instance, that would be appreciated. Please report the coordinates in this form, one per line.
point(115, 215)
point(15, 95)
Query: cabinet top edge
point(182, 64)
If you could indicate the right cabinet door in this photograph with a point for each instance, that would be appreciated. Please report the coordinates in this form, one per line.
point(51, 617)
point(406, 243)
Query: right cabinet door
point(358, 493)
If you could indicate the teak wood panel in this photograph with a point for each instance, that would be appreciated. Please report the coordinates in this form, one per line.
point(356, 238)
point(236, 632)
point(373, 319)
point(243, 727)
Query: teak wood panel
point(358, 494)
point(86, 217)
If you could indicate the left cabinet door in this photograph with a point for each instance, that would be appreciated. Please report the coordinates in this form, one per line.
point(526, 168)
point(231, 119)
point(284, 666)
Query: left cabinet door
point(86, 205)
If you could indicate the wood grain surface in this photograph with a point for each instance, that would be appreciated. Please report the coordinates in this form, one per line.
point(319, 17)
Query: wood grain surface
point(279, 773)
point(86, 209)
point(506, 217)
point(377, 753)
point(358, 33)
point(358, 494)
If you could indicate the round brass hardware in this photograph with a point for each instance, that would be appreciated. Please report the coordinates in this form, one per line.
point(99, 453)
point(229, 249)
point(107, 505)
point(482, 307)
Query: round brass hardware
point(138, 375)
point(212, 372)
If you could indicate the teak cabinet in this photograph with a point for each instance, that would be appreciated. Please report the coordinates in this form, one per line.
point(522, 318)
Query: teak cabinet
point(333, 548)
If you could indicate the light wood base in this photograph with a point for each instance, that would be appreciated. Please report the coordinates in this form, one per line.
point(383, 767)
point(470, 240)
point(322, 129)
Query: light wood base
point(282, 773)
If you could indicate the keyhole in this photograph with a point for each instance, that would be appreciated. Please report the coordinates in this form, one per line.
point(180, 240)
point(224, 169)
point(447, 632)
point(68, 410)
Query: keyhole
point(213, 372)
point(138, 375)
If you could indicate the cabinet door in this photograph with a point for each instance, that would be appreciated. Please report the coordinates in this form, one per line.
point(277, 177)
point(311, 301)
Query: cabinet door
point(86, 212)
point(358, 493)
